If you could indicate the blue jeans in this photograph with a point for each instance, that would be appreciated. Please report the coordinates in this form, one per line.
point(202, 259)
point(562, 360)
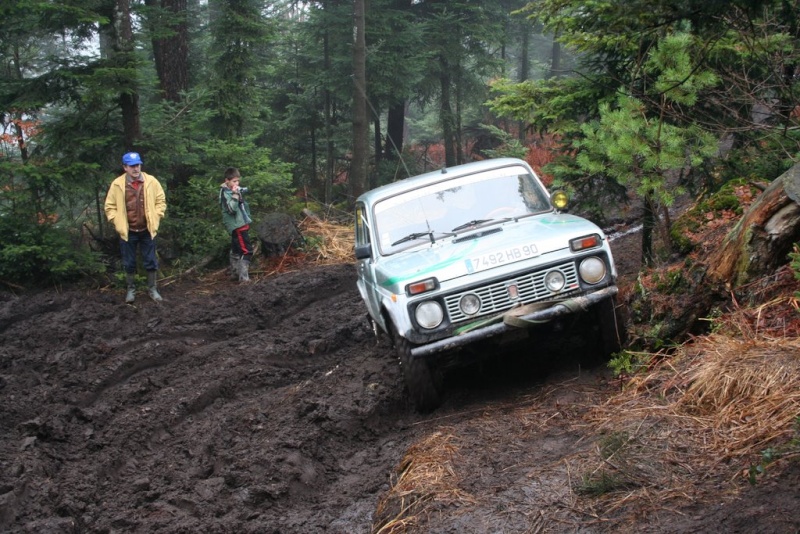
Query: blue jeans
point(146, 245)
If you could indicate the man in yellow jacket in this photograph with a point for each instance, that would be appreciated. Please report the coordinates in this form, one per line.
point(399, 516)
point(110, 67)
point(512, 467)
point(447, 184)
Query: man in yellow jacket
point(135, 204)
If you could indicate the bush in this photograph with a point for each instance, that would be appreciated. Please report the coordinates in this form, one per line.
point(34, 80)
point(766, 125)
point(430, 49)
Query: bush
point(42, 254)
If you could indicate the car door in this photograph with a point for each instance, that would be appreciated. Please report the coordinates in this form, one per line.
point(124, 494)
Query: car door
point(365, 253)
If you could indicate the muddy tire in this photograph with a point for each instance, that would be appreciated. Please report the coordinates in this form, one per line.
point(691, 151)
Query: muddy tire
point(611, 335)
point(424, 387)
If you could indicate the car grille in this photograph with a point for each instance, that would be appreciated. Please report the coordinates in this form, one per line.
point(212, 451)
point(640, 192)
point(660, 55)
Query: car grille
point(495, 297)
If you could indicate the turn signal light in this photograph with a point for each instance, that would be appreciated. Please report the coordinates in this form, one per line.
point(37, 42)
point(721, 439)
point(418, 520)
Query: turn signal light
point(421, 287)
point(582, 243)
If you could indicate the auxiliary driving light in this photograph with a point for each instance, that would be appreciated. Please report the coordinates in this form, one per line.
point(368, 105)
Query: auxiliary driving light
point(470, 304)
point(560, 199)
point(555, 281)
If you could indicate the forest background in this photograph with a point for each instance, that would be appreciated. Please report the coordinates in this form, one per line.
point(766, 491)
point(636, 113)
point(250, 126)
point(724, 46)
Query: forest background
point(617, 101)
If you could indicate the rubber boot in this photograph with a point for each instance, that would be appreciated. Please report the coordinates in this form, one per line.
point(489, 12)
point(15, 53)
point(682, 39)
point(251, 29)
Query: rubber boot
point(235, 265)
point(151, 286)
point(244, 270)
point(130, 296)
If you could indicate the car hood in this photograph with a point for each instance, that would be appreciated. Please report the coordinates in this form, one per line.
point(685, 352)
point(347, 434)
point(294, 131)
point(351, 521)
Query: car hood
point(454, 257)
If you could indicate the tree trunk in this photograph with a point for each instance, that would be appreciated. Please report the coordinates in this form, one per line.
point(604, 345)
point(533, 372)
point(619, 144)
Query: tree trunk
point(124, 52)
point(358, 175)
point(395, 126)
point(327, 184)
point(648, 224)
point(555, 58)
point(524, 73)
point(171, 53)
point(763, 237)
point(377, 141)
point(446, 114)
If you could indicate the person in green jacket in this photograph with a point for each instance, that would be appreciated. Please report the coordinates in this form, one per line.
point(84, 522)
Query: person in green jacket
point(236, 217)
point(135, 205)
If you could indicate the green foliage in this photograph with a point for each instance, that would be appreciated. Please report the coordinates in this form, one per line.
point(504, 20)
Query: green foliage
point(638, 150)
point(713, 319)
point(794, 263)
point(629, 363)
point(708, 207)
point(771, 455)
point(241, 36)
point(638, 101)
point(509, 147)
point(269, 181)
point(193, 226)
point(600, 483)
point(312, 243)
point(41, 220)
point(554, 105)
point(33, 255)
point(761, 158)
point(596, 483)
point(669, 281)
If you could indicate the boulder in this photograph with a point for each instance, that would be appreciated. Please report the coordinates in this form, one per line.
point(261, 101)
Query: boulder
point(277, 233)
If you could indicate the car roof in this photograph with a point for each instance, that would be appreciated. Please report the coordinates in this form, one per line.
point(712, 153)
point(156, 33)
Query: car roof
point(388, 190)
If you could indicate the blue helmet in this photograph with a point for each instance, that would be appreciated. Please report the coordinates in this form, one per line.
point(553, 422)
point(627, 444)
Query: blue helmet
point(131, 158)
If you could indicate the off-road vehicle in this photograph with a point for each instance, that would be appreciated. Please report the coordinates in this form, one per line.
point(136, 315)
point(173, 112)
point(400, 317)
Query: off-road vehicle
point(458, 258)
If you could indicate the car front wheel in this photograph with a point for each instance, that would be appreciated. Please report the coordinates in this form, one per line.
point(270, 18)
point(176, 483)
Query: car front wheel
point(611, 334)
point(420, 377)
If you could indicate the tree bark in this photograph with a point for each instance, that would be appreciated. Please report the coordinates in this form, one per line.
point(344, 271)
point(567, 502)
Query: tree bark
point(763, 237)
point(330, 148)
point(524, 73)
point(123, 50)
point(555, 58)
point(171, 53)
point(446, 115)
point(648, 225)
point(358, 175)
point(395, 127)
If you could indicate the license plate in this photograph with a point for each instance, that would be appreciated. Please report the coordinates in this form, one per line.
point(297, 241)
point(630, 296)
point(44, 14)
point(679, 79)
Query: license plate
point(495, 259)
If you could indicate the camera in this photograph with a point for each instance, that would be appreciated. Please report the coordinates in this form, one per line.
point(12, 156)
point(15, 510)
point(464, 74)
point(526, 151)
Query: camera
point(243, 190)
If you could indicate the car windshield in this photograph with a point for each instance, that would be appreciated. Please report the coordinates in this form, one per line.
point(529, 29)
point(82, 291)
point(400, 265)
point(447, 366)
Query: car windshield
point(421, 216)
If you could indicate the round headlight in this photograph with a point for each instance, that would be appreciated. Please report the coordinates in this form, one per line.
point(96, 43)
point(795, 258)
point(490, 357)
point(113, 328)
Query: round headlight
point(429, 314)
point(555, 281)
point(592, 270)
point(469, 304)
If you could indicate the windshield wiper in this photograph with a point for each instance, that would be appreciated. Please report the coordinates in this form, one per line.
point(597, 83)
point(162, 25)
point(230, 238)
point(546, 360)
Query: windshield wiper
point(417, 235)
point(413, 236)
point(474, 222)
point(477, 222)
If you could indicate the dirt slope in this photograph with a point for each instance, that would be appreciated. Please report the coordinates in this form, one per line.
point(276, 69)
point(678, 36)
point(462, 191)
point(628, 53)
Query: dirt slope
point(270, 407)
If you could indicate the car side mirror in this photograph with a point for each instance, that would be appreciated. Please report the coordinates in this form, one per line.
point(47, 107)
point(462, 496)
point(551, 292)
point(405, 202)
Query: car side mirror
point(363, 252)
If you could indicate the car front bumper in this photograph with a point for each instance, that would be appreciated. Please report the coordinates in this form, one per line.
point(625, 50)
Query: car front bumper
point(511, 320)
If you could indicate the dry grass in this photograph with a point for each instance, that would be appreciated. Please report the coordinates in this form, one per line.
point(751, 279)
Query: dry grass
point(326, 243)
point(424, 479)
point(747, 390)
point(696, 422)
point(333, 243)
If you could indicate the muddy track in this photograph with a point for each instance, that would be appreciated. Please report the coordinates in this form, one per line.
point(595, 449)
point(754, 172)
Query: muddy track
point(271, 407)
point(255, 409)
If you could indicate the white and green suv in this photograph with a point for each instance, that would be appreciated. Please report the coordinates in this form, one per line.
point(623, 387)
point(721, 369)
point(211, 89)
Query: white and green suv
point(457, 258)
